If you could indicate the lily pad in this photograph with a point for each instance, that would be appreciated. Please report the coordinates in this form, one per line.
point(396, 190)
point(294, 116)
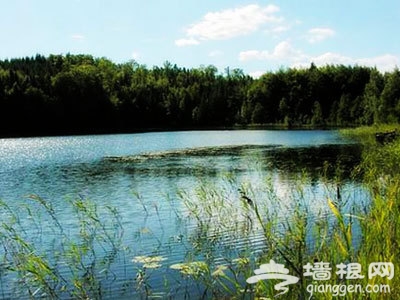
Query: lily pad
point(149, 262)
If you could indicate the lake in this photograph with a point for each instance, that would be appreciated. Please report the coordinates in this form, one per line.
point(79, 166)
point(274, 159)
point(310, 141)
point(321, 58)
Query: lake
point(155, 179)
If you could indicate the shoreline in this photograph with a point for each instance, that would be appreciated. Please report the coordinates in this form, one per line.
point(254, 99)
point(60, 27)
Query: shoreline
point(174, 129)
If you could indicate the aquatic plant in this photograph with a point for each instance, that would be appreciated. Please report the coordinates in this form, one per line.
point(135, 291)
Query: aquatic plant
point(221, 222)
point(149, 262)
point(55, 263)
point(341, 232)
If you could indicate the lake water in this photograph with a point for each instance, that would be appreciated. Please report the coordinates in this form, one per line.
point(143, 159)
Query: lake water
point(142, 175)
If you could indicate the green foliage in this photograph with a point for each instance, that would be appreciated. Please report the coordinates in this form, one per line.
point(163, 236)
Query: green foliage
point(79, 93)
point(390, 98)
point(372, 104)
point(73, 265)
point(226, 215)
point(381, 167)
point(356, 234)
point(317, 118)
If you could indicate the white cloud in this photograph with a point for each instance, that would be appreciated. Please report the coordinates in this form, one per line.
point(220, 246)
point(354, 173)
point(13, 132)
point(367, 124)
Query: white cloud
point(330, 58)
point(319, 34)
point(186, 42)
point(135, 55)
point(286, 54)
point(279, 29)
point(282, 51)
point(383, 63)
point(257, 74)
point(231, 23)
point(285, 50)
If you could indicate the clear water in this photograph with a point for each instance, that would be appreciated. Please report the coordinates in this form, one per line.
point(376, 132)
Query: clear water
point(112, 169)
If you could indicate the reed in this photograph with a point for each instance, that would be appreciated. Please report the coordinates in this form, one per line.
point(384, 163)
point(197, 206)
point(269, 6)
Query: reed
point(360, 234)
point(222, 221)
point(54, 263)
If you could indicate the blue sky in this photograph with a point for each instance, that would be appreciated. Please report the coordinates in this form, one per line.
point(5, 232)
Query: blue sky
point(256, 36)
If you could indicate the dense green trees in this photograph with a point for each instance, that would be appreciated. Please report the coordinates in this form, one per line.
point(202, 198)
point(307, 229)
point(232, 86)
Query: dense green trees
point(82, 94)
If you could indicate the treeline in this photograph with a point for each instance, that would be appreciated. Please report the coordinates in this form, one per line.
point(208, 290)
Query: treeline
point(82, 94)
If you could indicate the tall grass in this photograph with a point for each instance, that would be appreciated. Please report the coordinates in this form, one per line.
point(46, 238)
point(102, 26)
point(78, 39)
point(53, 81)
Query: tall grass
point(290, 227)
point(380, 224)
point(356, 235)
point(43, 259)
point(226, 221)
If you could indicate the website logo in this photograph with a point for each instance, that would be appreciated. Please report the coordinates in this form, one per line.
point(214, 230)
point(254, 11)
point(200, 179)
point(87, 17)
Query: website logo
point(321, 272)
point(274, 271)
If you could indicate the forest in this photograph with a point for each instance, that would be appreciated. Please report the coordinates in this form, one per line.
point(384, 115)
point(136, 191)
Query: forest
point(74, 94)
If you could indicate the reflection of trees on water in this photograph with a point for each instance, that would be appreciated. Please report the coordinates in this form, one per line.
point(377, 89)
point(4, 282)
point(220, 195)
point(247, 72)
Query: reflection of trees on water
point(332, 161)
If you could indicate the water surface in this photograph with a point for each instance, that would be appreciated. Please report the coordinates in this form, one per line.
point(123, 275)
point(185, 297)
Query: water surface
point(141, 175)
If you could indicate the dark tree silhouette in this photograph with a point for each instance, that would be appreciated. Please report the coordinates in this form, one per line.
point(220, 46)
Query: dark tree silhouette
point(82, 94)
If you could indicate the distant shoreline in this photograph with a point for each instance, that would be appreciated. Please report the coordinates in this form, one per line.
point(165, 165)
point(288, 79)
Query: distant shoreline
point(81, 94)
point(160, 129)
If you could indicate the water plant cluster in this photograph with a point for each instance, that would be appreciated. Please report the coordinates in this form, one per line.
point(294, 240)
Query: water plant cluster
point(339, 232)
point(42, 258)
point(229, 228)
